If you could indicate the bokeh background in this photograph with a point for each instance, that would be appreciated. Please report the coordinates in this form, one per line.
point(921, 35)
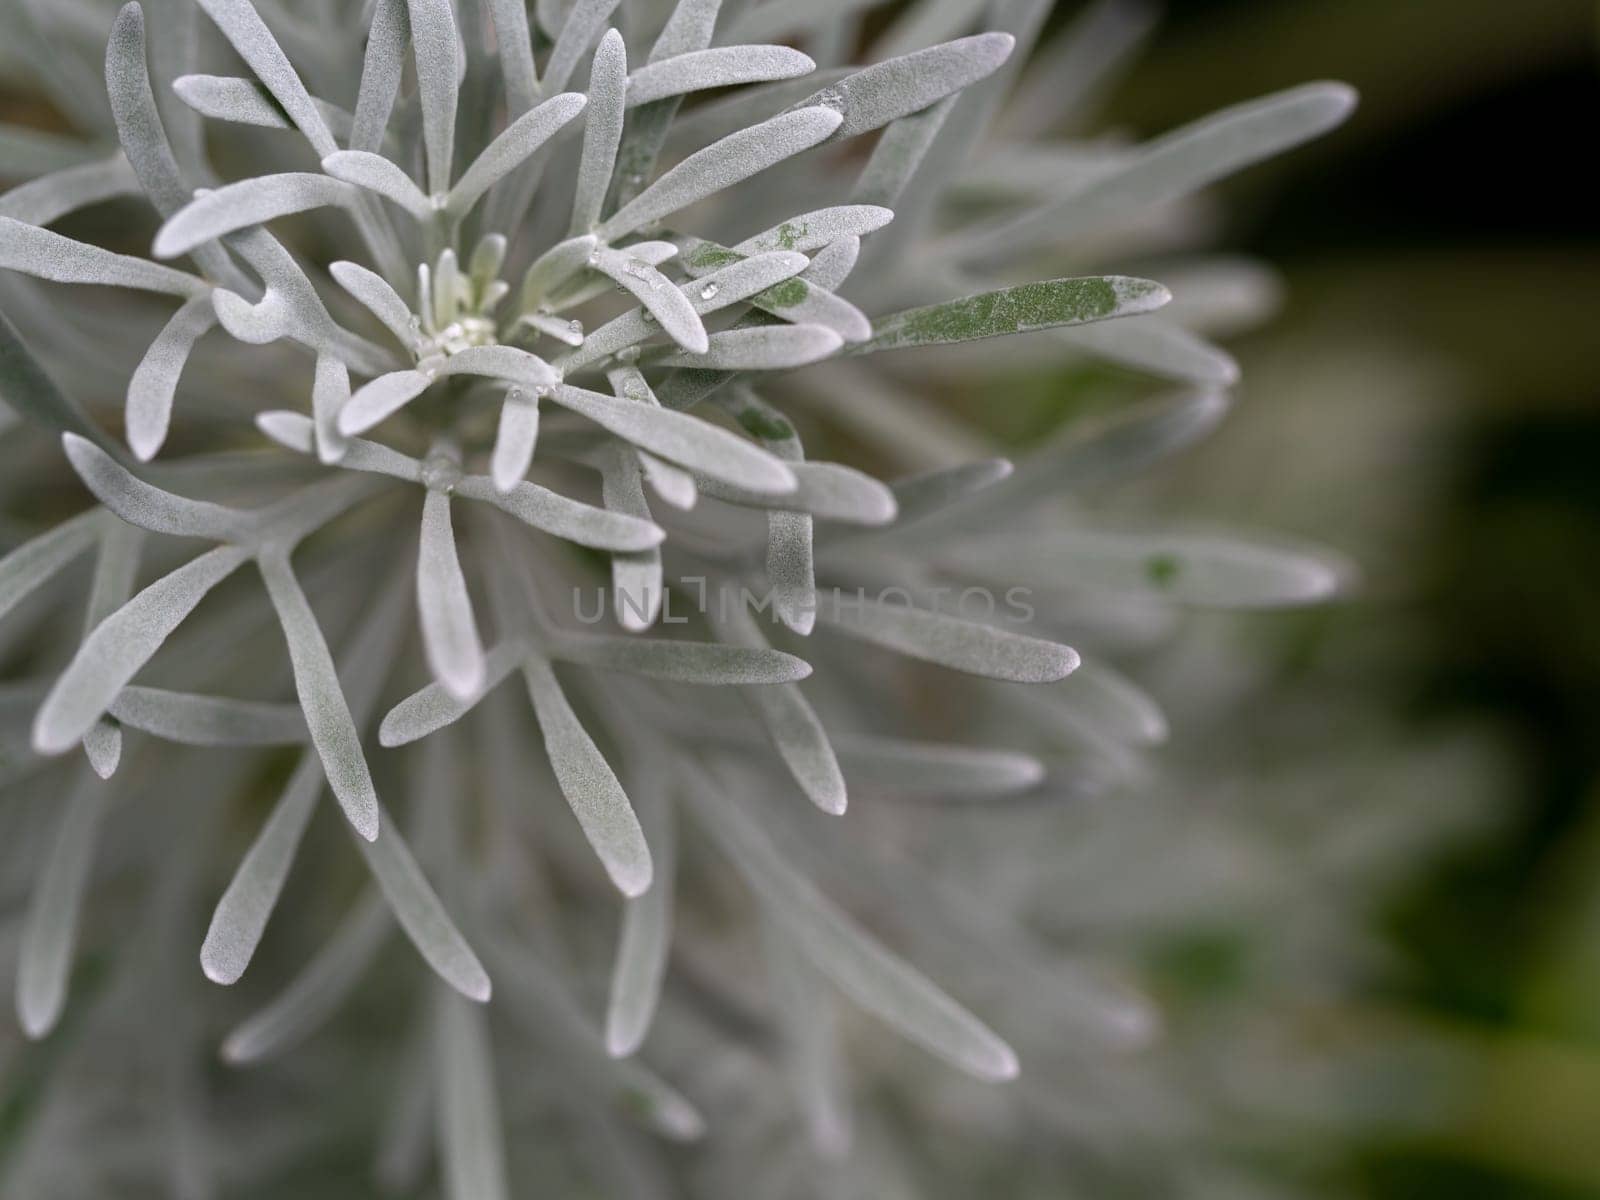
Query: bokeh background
point(1428, 401)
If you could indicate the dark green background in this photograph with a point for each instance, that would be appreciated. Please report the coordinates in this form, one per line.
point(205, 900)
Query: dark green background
point(1457, 214)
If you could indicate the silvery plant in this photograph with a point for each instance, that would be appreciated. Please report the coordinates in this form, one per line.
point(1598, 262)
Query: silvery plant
point(456, 443)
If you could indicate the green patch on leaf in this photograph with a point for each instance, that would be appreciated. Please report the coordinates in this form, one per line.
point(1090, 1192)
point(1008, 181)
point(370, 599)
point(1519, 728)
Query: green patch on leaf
point(1021, 309)
point(1163, 569)
point(765, 426)
point(791, 233)
point(709, 257)
point(783, 295)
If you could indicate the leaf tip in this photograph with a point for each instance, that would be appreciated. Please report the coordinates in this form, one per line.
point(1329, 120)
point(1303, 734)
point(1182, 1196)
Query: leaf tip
point(477, 986)
point(996, 44)
point(634, 874)
point(392, 731)
point(1135, 295)
point(827, 118)
point(1063, 663)
point(364, 820)
point(37, 1014)
point(104, 752)
point(1003, 1066)
point(218, 966)
point(463, 680)
point(1338, 98)
point(236, 1051)
point(620, 1042)
point(51, 736)
point(288, 429)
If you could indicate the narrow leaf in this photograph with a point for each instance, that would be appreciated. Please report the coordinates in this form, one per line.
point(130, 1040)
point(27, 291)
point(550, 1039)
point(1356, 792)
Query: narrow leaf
point(381, 71)
point(608, 88)
point(584, 22)
point(248, 34)
point(432, 708)
point(46, 200)
point(143, 134)
point(516, 438)
point(802, 303)
point(935, 768)
point(722, 164)
point(121, 644)
point(827, 490)
point(116, 567)
point(50, 930)
point(501, 362)
point(329, 394)
point(586, 779)
point(317, 992)
point(421, 914)
point(242, 912)
point(515, 41)
point(29, 153)
point(102, 745)
point(1089, 454)
point(1175, 165)
point(809, 1039)
point(659, 295)
point(437, 47)
point(155, 380)
point(788, 718)
point(636, 579)
point(682, 439)
point(148, 507)
point(27, 390)
point(245, 204)
point(886, 91)
point(449, 629)
point(380, 399)
point(39, 559)
point(228, 98)
point(791, 570)
point(192, 720)
point(560, 517)
point(797, 735)
point(712, 663)
point(918, 496)
point(950, 641)
point(47, 255)
point(1021, 309)
point(738, 280)
point(554, 267)
point(1215, 570)
point(470, 1145)
point(899, 152)
point(1159, 347)
point(860, 967)
point(725, 66)
point(333, 732)
point(378, 174)
point(811, 231)
point(512, 148)
point(1115, 704)
point(761, 348)
point(642, 949)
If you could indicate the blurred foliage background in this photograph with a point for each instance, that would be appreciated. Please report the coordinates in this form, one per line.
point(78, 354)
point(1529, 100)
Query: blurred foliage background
point(1429, 402)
